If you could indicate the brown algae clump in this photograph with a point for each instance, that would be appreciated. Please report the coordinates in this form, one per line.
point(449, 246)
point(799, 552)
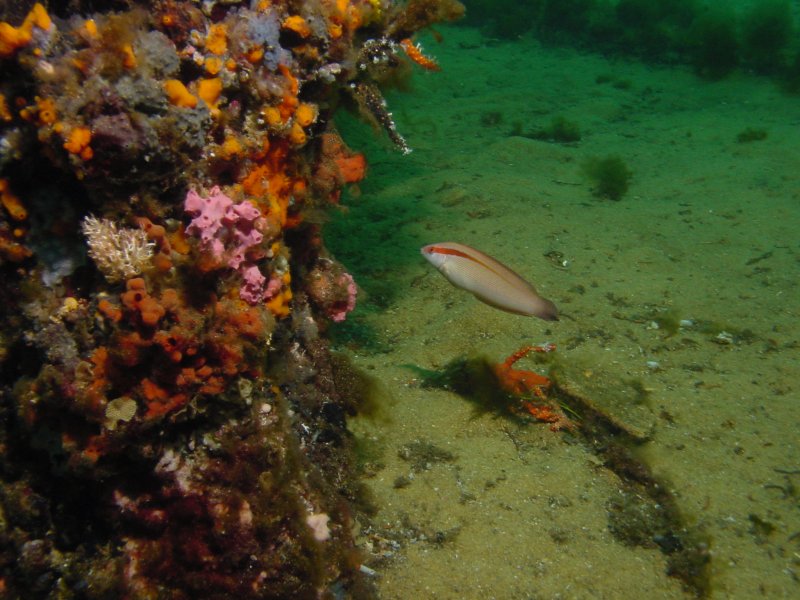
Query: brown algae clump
point(610, 176)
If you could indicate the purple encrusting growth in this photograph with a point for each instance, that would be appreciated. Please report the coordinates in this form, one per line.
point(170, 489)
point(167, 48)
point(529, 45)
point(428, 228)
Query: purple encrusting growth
point(229, 231)
point(264, 29)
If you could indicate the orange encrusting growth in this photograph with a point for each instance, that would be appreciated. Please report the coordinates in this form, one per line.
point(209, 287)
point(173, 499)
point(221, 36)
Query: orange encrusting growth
point(13, 38)
point(5, 112)
point(128, 57)
point(255, 55)
point(89, 28)
point(272, 116)
point(162, 260)
point(270, 185)
point(279, 305)
point(94, 394)
point(297, 24)
point(178, 95)
point(78, 142)
point(217, 40)
point(46, 111)
point(345, 17)
point(296, 134)
point(231, 148)
point(43, 112)
point(213, 65)
point(337, 165)
point(289, 102)
point(196, 353)
point(13, 251)
point(209, 91)
point(305, 114)
point(110, 311)
point(11, 202)
point(352, 168)
point(137, 300)
point(159, 401)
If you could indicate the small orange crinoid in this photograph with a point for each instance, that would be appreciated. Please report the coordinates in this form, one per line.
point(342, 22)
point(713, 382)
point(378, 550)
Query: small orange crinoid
point(527, 384)
point(518, 381)
point(548, 414)
point(414, 53)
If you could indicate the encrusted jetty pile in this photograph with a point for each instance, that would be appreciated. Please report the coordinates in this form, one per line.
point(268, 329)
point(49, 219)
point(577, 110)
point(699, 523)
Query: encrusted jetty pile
point(172, 421)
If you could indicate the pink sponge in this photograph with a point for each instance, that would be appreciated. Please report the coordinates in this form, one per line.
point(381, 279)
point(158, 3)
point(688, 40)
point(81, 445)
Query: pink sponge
point(340, 310)
point(228, 231)
point(207, 223)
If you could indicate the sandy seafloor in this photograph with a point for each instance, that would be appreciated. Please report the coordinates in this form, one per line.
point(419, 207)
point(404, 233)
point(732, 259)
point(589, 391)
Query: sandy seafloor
point(707, 233)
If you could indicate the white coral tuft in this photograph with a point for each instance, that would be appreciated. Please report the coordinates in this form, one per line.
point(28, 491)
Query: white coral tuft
point(118, 253)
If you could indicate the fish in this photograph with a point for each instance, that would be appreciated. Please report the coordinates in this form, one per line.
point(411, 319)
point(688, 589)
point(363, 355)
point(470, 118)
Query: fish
point(489, 280)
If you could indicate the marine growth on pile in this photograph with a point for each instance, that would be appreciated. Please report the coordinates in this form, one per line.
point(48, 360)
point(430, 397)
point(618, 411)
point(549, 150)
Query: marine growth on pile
point(173, 422)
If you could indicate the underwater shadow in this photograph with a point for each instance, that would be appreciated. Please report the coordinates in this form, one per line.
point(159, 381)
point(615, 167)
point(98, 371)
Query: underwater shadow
point(473, 379)
point(646, 512)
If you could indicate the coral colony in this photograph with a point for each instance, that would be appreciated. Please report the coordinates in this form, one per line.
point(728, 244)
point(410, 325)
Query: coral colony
point(173, 425)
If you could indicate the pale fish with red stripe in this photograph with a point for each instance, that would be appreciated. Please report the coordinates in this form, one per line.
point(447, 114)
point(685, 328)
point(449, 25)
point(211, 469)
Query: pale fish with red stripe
point(489, 280)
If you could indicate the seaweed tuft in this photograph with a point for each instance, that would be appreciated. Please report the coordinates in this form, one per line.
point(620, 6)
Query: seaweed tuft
point(712, 45)
point(560, 130)
point(766, 33)
point(610, 176)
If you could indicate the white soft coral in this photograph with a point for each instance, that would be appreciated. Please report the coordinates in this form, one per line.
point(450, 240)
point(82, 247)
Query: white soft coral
point(119, 253)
